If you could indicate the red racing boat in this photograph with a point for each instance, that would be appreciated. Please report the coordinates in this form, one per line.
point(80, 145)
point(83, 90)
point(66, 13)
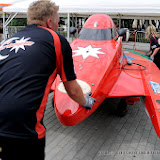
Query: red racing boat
point(105, 69)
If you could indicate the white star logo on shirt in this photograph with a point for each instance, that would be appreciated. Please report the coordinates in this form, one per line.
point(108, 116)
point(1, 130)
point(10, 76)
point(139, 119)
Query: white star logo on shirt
point(87, 51)
point(3, 57)
point(21, 43)
point(17, 45)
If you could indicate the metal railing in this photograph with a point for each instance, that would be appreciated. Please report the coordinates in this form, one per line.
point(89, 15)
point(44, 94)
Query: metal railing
point(137, 40)
point(135, 36)
point(131, 42)
point(11, 30)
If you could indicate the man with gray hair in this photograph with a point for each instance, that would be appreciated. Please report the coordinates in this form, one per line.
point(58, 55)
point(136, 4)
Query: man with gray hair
point(30, 61)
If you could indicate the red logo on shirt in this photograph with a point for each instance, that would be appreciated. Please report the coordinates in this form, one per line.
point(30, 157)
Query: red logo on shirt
point(18, 44)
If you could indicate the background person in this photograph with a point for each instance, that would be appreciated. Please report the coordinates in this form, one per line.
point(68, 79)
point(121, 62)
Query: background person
point(154, 53)
point(29, 63)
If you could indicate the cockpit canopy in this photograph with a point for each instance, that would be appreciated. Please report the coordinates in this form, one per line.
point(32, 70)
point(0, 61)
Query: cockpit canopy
point(98, 27)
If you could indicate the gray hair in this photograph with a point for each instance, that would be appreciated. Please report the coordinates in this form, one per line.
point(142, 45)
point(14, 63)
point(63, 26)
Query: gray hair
point(40, 10)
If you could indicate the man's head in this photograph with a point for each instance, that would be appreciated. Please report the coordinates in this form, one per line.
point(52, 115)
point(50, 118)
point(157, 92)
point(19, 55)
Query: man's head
point(44, 13)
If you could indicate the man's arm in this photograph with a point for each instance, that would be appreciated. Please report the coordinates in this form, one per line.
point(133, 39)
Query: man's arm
point(74, 91)
point(68, 77)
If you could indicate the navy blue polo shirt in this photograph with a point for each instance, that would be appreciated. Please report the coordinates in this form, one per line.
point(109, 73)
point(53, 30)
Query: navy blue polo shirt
point(28, 67)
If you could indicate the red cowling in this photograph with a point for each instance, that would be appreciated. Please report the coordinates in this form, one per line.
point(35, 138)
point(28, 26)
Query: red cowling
point(99, 21)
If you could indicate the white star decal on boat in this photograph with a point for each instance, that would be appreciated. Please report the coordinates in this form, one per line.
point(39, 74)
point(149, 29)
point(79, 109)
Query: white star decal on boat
point(88, 51)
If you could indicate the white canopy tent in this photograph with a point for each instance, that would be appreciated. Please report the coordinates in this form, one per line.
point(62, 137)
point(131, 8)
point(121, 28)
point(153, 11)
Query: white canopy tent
point(3, 4)
point(122, 9)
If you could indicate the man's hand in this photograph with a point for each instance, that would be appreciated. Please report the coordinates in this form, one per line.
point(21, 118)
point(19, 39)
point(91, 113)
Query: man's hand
point(89, 101)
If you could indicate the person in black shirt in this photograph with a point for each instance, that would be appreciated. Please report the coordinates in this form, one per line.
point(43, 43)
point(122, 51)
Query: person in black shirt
point(154, 44)
point(29, 63)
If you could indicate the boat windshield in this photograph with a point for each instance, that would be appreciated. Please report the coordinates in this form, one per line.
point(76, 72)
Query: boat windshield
point(98, 34)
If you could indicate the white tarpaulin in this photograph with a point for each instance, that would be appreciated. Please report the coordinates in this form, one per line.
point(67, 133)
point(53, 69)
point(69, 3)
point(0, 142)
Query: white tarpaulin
point(121, 7)
point(9, 1)
point(149, 9)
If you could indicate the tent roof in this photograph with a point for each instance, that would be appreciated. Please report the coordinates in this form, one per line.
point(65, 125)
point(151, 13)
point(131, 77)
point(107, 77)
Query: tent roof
point(7, 3)
point(116, 7)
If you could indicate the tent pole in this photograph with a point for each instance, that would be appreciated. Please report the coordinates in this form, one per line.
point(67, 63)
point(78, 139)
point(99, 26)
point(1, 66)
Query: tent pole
point(68, 26)
point(9, 20)
point(4, 28)
point(120, 22)
point(5, 23)
point(76, 22)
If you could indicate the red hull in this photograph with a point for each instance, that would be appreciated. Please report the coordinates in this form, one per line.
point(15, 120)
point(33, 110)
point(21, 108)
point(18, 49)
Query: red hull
point(100, 64)
point(69, 112)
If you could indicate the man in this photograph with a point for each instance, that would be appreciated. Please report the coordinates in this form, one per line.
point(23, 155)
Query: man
point(29, 63)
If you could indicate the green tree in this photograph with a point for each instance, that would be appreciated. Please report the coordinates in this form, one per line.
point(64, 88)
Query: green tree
point(19, 22)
